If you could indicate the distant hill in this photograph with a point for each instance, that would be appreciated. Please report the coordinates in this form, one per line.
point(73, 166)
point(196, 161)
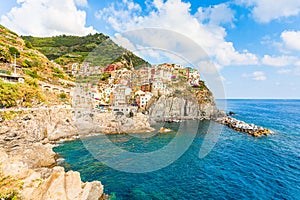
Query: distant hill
point(98, 49)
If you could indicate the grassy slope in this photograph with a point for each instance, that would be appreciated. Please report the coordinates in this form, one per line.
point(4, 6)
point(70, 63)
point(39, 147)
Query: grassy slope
point(29, 60)
point(97, 49)
point(33, 65)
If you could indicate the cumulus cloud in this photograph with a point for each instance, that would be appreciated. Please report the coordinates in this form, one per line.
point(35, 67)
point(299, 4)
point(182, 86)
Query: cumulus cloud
point(176, 15)
point(265, 11)
point(47, 18)
point(217, 14)
point(257, 76)
point(291, 39)
point(279, 61)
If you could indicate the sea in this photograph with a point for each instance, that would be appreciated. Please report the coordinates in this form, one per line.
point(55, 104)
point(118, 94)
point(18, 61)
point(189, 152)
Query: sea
point(236, 165)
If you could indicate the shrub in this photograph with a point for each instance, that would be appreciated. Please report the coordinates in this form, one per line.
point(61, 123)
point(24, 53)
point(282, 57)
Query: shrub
point(62, 95)
point(14, 51)
point(58, 73)
point(19, 94)
point(31, 73)
point(9, 94)
point(28, 44)
point(26, 63)
point(105, 76)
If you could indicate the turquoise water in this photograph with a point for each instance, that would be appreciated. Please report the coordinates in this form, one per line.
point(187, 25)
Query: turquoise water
point(238, 167)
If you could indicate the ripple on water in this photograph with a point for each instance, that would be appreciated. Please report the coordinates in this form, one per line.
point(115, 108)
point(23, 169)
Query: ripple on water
point(239, 166)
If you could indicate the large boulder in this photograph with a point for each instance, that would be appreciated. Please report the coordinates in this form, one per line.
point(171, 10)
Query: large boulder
point(64, 186)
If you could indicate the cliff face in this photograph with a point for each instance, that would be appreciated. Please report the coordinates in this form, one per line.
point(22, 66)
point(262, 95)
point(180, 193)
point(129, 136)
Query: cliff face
point(184, 104)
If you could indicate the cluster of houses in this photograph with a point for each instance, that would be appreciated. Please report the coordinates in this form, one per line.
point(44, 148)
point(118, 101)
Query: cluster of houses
point(126, 90)
point(119, 88)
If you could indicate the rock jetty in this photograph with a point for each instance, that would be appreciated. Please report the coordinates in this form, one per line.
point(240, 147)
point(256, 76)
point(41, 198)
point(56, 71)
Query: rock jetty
point(241, 126)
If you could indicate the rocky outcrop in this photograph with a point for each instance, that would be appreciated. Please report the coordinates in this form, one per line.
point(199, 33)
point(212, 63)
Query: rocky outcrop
point(47, 183)
point(109, 123)
point(183, 107)
point(62, 185)
point(26, 155)
point(30, 126)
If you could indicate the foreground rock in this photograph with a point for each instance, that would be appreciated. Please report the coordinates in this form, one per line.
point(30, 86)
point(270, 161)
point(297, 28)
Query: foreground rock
point(241, 126)
point(36, 182)
point(38, 125)
point(27, 158)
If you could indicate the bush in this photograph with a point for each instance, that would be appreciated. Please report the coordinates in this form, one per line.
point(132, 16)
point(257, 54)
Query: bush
point(31, 73)
point(18, 94)
point(62, 96)
point(105, 76)
point(58, 73)
point(26, 63)
point(13, 51)
point(28, 44)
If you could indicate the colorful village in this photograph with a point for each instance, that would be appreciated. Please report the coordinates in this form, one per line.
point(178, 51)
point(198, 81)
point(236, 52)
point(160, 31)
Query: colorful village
point(126, 90)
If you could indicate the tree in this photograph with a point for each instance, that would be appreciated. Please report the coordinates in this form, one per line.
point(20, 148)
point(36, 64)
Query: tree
point(14, 51)
point(28, 44)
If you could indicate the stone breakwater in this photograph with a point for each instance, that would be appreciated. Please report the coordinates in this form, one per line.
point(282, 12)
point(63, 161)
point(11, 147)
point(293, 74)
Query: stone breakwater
point(241, 126)
point(27, 157)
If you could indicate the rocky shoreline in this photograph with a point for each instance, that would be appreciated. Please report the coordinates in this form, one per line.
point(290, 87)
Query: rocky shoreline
point(28, 137)
point(27, 157)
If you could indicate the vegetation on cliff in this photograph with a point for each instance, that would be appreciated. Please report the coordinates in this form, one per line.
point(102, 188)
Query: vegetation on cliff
point(66, 50)
point(20, 94)
point(32, 65)
point(29, 61)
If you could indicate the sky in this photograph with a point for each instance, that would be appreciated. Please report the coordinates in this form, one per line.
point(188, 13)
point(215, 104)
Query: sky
point(253, 46)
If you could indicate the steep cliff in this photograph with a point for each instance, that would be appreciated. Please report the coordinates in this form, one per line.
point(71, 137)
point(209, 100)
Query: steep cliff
point(184, 102)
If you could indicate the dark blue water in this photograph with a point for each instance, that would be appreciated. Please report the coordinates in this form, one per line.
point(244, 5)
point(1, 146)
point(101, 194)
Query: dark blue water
point(238, 167)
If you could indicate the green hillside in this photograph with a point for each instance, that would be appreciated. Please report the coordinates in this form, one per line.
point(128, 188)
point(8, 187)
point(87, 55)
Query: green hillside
point(33, 66)
point(97, 49)
point(30, 61)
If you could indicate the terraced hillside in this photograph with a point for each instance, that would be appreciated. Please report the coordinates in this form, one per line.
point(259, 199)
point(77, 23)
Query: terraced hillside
point(97, 49)
point(32, 66)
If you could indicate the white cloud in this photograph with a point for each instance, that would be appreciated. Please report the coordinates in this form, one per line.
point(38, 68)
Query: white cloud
point(265, 11)
point(279, 61)
point(291, 39)
point(124, 42)
point(217, 14)
point(47, 18)
point(176, 15)
point(82, 3)
point(257, 76)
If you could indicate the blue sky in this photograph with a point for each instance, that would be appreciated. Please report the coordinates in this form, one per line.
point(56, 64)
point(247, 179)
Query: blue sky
point(254, 44)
